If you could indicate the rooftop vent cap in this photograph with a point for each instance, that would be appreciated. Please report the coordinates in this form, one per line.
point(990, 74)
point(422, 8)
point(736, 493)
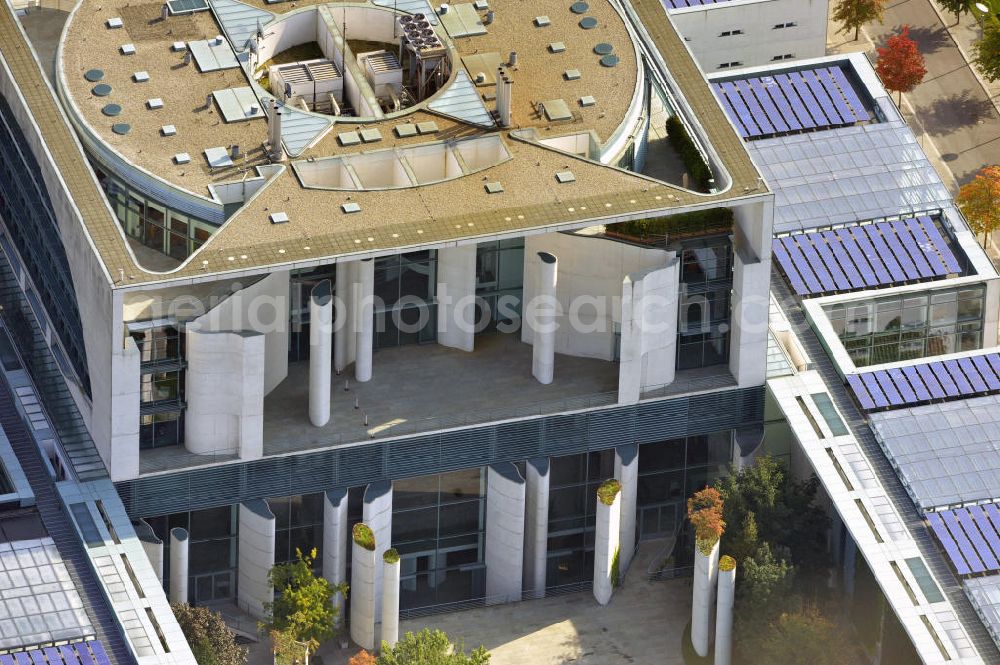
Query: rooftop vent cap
point(542, 21)
point(349, 208)
point(278, 218)
point(177, 47)
point(114, 23)
point(443, 9)
point(168, 130)
point(563, 177)
point(140, 77)
point(588, 23)
point(493, 188)
point(127, 49)
point(480, 77)
point(481, 5)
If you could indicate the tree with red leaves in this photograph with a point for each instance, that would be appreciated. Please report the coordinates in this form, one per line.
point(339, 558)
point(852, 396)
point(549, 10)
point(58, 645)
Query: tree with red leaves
point(900, 64)
point(705, 515)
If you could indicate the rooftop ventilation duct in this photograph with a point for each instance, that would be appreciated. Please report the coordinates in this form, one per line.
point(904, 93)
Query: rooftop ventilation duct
point(274, 133)
point(504, 85)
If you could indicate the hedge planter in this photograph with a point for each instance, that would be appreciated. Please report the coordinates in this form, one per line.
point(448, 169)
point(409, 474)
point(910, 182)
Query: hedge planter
point(606, 540)
point(363, 587)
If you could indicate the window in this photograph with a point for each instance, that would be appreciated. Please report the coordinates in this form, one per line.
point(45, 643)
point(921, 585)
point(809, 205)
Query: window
point(212, 533)
point(705, 302)
point(787, 24)
point(405, 285)
point(156, 344)
point(731, 33)
point(298, 525)
point(883, 330)
point(157, 430)
point(161, 386)
point(786, 56)
point(734, 63)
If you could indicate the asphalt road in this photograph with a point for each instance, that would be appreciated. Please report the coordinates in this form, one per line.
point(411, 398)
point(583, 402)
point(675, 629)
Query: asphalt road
point(954, 109)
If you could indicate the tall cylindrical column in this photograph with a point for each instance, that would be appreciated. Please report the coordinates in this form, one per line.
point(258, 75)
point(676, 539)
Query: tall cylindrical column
point(179, 565)
point(343, 330)
point(366, 321)
point(606, 540)
point(335, 539)
point(390, 597)
point(724, 611)
point(543, 352)
point(363, 587)
point(706, 570)
point(536, 526)
point(320, 349)
point(627, 471)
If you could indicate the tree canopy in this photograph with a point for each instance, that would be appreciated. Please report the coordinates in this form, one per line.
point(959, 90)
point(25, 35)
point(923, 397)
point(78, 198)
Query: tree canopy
point(430, 647)
point(303, 607)
point(805, 637)
point(852, 14)
point(900, 64)
point(979, 201)
point(986, 52)
point(956, 7)
point(210, 639)
point(704, 510)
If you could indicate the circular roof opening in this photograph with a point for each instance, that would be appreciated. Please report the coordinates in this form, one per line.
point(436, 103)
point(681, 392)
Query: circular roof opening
point(111, 110)
point(121, 128)
point(609, 60)
point(588, 23)
point(101, 90)
point(603, 48)
point(579, 7)
point(94, 75)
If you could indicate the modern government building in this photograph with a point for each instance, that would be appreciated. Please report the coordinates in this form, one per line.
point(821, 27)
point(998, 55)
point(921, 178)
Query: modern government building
point(274, 268)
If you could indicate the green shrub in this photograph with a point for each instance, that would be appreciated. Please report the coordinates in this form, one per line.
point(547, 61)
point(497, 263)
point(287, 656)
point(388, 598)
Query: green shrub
point(364, 536)
point(391, 555)
point(727, 563)
point(608, 490)
point(681, 141)
point(698, 223)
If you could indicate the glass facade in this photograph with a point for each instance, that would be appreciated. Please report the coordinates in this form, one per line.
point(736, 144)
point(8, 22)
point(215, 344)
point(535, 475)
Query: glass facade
point(438, 527)
point(212, 554)
point(405, 312)
point(573, 483)
point(152, 224)
point(301, 283)
point(499, 283)
point(298, 525)
point(161, 387)
point(911, 325)
point(36, 236)
point(706, 288)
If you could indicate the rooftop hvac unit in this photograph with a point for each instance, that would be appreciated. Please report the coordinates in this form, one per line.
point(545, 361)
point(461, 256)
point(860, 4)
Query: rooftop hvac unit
point(310, 80)
point(383, 72)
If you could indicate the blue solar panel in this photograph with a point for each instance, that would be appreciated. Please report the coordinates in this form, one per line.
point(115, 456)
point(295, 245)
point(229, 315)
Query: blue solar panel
point(22, 658)
point(761, 118)
point(772, 112)
point(800, 263)
point(100, 655)
point(963, 385)
point(69, 656)
point(852, 96)
point(972, 374)
point(931, 381)
point(861, 392)
point(780, 102)
point(937, 525)
point(875, 390)
point(873, 258)
point(844, 259)
point(806, 94)
point(37, 657)
point(983, 550)
point(932, 232)
point(898, 251)
point(794, 278)
point(903, 386)
point(734, 116)
point(836, 270)
point(987, 528)
point(888, 257)
point(823, 99)
point(888, 388)
point(7, 660)
point(926, 246)
point(836, 96)
point(858, 256)
point(914, 252)
point(733, 98)
point(806, 120)
point(986, 371)
point(920, 390)
point(52, 654)
point(963, 542)
point(84, 654)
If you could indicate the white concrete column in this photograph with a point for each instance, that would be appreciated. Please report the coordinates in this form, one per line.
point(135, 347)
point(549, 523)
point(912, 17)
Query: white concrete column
point(320, 349)
point(351, 301)
point(343, 334)
point(256, 557)
point(335, 537)
point(706, 572)
point(627, 471)
point(456, 297)
point(224, 390)
point(751, 289)
point(363, 592)
point(151, 545)
point(536, 526)
point(390, 597)
point(366, 320)
point(123, 463)
point(649, 323)
point(606, 540)
point(179, 543)
point(991, 315)
point(724, 611)
point(504, 533)
point(377, 514)
point(543, 350)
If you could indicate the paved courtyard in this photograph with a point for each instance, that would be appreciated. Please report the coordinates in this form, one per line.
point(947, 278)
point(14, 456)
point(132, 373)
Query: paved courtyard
point(643, 624)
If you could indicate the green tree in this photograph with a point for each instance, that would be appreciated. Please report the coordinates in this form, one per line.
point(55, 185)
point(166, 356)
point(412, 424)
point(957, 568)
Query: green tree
point(979, 201)
point(852, 14)
point(986, 52)
point(211, 641)
point(805, 637)
point(303, 607)
point(957, 7)
point(430, 648)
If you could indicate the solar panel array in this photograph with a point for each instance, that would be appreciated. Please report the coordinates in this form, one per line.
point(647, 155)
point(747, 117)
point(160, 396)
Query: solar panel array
point(942, 379)
point(970, 536)
point(90, 652)
point(865, 256)
point(811, 99)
